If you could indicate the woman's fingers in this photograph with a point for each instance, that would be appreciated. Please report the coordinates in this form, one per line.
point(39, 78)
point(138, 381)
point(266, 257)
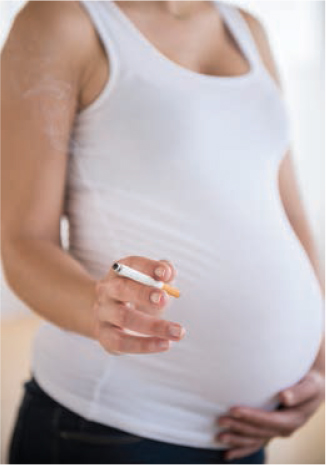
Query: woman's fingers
point(148, 266)
point(240, 452)
point(115, 340)
point(283, 422)
point(126, 290)
point(123, 305)
point(245, 429)
point(168, 277)
point(308, 388)
point(305, 397)
point(237, 440)
point(147, 298)
point(125, 316)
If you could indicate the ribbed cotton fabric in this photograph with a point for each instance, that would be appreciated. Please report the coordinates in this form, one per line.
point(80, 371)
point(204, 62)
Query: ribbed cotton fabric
point(170, 163)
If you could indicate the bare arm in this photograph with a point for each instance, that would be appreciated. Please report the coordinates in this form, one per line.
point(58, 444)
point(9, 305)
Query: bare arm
point(288, 184)
point(44, 67)
point(48, 58)
point(300, 401)
point(293, 205)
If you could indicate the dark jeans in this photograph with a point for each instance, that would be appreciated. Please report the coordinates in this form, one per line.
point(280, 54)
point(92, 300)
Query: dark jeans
point(47, 432)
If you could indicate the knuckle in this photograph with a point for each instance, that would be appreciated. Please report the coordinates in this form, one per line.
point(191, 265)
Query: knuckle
point(116, 286)
point(121, 315)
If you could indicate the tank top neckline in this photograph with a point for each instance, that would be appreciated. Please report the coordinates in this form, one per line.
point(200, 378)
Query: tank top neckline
point(179, 70)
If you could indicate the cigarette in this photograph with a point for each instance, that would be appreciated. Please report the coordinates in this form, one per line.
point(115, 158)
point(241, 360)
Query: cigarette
point(126, 271)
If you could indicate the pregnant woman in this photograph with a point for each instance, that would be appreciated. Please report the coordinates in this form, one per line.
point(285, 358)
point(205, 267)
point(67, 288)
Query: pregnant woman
point(159, 130)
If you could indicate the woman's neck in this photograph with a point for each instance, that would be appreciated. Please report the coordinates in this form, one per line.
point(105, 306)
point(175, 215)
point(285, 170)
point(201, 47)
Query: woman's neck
point(181, 9)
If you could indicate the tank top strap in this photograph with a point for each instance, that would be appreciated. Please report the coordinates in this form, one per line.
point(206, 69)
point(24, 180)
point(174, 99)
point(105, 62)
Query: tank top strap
point(239, 27)
point(114, 37)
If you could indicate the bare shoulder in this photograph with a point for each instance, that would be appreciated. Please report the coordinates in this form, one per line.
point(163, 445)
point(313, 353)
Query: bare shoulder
point(65, 19)
point(53, 30)
point(260, 36)
point(42, 66)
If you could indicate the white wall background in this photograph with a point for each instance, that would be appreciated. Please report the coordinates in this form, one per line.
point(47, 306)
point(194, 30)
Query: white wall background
point(296, 32)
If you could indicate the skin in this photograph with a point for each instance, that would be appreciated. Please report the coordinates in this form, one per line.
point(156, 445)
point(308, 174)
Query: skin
point(54, 65)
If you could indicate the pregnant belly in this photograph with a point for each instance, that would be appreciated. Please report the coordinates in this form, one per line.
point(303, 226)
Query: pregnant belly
point(250, 302)
point(254, 324)
point(251, 331)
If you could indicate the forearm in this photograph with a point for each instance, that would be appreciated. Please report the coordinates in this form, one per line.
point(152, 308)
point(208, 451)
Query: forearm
point(51, 282)
point(313, 256)
point(306, 238)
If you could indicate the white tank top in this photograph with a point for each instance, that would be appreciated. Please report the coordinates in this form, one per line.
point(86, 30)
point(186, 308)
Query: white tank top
point(171, 164)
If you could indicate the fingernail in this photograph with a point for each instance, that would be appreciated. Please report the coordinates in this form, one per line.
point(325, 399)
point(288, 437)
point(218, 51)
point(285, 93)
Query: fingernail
point(155, 297)
point(237, 414)
point(160, 271)
point(168, 270)
point(163, 345)
point(175, 331)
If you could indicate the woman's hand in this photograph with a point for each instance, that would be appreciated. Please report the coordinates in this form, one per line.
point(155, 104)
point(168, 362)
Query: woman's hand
point(126, 304)
point(250, 429)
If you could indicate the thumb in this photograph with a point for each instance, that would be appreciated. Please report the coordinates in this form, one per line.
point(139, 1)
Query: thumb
point(300, 392)
point(173, 271)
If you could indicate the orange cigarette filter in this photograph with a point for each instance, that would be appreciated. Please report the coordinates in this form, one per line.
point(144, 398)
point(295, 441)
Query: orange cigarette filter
point(171, 290)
